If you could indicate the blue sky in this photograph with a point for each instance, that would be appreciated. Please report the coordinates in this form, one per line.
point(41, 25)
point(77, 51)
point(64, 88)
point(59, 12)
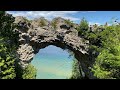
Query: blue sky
point(98, 17)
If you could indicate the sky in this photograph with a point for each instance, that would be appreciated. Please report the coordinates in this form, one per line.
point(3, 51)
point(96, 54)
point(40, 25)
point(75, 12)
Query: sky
point(93, 17)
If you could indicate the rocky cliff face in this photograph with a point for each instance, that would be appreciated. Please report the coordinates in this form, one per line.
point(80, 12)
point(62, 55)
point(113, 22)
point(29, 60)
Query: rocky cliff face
point(34, 36)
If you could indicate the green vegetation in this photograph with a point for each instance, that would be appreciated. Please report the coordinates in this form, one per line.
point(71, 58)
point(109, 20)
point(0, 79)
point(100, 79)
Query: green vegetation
point(106, 43)
point(29, 72)
point(8, 46)
point(27, 20)
point(107, 64)
point(76, 70)
point(7, 68)
point(54, 24)
point(83, 28)
point(42, 23)
point(69, 22)
point(104, 49)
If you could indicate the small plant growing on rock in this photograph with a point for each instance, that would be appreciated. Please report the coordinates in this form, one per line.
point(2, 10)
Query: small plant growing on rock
point(54, 24)
point(76, 70)
point(29, 72)
point(69, 22)
point(29, 21)
point(42, 23)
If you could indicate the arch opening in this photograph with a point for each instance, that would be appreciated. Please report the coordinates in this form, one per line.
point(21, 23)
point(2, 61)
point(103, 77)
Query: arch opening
point(82, 58)
point(53, 62)
point(76, 54)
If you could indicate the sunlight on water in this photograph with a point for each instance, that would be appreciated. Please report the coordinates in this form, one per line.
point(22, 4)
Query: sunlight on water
point(53, 63)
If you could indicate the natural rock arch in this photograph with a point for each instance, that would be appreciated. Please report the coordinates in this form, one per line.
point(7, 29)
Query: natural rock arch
point(33, 38)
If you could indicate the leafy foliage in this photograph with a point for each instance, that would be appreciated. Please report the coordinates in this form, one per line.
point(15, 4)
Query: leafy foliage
point(29, 72)
point(8, 45)
point(83, 27)
point(42, 23)
point(76, 70)
point(7, 69)
point(54, 24)
point(69, 22)
point(105, 40)
point(107, 64)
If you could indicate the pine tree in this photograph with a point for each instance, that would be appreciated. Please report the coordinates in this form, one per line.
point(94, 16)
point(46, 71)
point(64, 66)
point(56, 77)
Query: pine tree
point(83, 27)
point(107, 64)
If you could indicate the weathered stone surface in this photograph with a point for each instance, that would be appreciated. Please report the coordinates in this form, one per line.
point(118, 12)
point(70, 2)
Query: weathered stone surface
point(37, 37)
point(22, 23)
point(26, 52)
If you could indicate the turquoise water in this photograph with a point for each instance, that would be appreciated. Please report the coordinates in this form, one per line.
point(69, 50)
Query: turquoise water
point(53, 63)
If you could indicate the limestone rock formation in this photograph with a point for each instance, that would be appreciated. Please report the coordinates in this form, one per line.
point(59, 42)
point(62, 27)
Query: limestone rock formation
point(33, 37)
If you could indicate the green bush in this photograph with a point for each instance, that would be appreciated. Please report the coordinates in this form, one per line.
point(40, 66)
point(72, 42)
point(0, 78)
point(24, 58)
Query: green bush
point(7, 68)
point(107, 64)
point(83, 27)
point(54, 24)
point(76, 70)
point(69, 22)
point(42, 23)
point(29, 72)
point(8, 46)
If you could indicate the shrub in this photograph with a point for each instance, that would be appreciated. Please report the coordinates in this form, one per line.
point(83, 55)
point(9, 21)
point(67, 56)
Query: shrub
point(54, 24)
point(42, 23)
point(29, 72)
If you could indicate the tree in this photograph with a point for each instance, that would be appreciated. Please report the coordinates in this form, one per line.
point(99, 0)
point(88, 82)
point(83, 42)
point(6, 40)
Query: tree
point(7, 62)
point(8, 46)
point(107, 64)
point(83, 27)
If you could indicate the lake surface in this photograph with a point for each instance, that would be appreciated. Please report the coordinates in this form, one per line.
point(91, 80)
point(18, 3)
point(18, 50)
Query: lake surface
point(53, 63)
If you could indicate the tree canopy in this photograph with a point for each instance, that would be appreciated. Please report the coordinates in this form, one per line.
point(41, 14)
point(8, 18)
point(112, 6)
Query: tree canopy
point(8, 45)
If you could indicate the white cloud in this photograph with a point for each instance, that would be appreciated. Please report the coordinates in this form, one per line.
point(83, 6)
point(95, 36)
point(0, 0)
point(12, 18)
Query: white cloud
point(88, 11)
point(47, 14)
point(93, 23)
point(91, 11)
